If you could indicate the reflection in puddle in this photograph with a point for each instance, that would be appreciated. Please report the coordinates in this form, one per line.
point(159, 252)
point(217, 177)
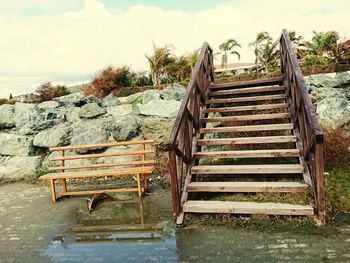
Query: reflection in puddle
point(118, 231)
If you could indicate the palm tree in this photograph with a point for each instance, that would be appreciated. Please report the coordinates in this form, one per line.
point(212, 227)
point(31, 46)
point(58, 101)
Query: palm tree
point(192, 58)
point(226, 48)
point(259, 40)
point(322, 42)
point(179, 69)
point(298, 44)
point(268, 55)
point(159, 62)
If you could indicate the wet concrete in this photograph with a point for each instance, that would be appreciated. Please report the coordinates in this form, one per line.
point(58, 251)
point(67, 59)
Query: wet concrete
point(127, 229)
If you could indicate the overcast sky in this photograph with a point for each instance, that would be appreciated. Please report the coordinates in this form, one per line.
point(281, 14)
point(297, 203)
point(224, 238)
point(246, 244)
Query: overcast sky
point(69, 41)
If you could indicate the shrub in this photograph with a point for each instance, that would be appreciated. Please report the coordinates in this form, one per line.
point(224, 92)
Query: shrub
point(336, 149)
point(47, 92)
point(3, 101)
point(314, 60)
point(140, 80)
point(109, 80)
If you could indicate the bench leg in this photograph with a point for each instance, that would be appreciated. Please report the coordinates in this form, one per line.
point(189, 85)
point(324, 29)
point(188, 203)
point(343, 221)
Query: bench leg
point(64, 183)
point(145, 185)
point(139, 185)
point(53, 190)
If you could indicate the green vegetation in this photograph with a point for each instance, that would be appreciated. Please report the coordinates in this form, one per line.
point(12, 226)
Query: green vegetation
point(226, 48)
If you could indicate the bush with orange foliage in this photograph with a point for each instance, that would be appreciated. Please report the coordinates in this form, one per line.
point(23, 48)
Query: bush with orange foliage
point(109, 80)
point(47, 92)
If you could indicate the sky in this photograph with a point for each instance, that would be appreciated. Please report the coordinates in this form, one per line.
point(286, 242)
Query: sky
point(70, 41)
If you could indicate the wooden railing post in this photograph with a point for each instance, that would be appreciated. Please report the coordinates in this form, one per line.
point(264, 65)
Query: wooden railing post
point(64, 181)
point(320, 184)
point(187, 124)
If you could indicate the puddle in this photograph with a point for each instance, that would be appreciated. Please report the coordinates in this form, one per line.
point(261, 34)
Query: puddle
point(118, 231)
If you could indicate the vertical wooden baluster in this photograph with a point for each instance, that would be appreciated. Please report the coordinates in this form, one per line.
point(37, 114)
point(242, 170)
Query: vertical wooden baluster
point(174, 183)
point(145, 186)
point(64, 181)
point(320, 182)
point(53, 190)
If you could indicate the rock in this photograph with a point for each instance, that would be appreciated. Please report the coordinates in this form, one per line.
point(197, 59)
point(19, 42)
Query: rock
point(149, 95)
point(119, 159)
point(156, 128)
point(173, 92)
point(333, 112)
point(7, 116)
point(343, 79)
point(77, 162)
point(318, 94)
point(110, 101)
point(55, 136)
point(17, 168)
point(33, 121)
point(125, 128)
point(48, 105)
point(92, 99)
point(21, 107)
point(321, 80)
point(12, 144)
point(91, 110)
point(72, 114)
point(134, 98)
point(161, 108)
point(121, 110)
point(92, 131)
point(71, 100)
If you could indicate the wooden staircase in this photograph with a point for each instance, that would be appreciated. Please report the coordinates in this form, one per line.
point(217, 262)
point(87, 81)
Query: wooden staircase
point(243, 139)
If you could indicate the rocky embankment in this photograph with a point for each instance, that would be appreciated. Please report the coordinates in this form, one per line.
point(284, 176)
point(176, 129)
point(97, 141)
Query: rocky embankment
point(330, 94)
point(28, 130)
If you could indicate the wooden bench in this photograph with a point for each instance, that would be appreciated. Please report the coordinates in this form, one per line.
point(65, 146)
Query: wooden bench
point(141, 166)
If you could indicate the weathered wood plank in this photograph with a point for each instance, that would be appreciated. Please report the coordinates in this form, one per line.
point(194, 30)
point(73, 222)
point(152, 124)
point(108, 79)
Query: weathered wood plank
point(247, 83)
point(247, 208)
point(248, 140)
point(249, 169)
point(249, 154)
point(265, 127)
point(248, 187)
point(247, 99)
point(89, 174)
point(246, 90)
point(254, 117)
point(249, 108)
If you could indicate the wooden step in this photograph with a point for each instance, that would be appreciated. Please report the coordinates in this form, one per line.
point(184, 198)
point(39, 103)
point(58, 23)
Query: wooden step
point(247, 140)
point(246, 128)
point(246, 208)
point(248, 108)
point(254, 117)
point(246, 90)
point(247, 187)
point(247, 99)
point(248, 83)
point(273, 153)
point(248, 169)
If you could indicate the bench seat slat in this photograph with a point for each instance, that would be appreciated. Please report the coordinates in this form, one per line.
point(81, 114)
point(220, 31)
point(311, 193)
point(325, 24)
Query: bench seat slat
point(101, 173)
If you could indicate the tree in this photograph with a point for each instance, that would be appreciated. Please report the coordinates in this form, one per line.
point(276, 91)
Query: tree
point(180, 69)
point(226, 48)
point(341, 52)
point(268, 55)
point(261, 38)
point(159, 62)
point(47, 91)
point(322, 43)
point(192, 58)
point(298, 44)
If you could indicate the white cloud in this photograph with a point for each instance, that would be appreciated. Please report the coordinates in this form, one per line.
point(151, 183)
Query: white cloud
point(70, 47)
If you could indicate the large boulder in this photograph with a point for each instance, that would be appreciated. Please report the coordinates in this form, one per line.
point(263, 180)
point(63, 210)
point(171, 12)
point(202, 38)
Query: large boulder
point(12, 144)
point(33, 121)
point(134, 98)
point(333, 112)
point(18, 168)
point(48, 105)
point(71, 100)
point(173, 92)
point(121, 110)
point(343, 79)
point(92, 131)
point(72, 114)
point(91, 110)
point(125, 128)
point(149, 95)
point(161, 108)
point(318, 94)
point(7, 116)
point(156, 128)
point(55, 136)
point(77, 162)
point(110, 101)
point(321, 80)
